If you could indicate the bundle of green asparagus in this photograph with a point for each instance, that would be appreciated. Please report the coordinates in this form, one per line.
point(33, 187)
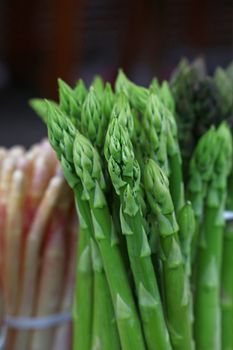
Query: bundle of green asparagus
point(201, 101)
point(149, 255)
point(38, 233)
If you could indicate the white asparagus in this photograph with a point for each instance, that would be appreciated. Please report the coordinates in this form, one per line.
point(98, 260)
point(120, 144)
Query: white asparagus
point(12, 240)
point(53, 271)
point(63, 333)
point(32, 258)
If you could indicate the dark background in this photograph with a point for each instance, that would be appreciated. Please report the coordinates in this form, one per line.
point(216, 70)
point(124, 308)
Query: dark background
point(45, 39)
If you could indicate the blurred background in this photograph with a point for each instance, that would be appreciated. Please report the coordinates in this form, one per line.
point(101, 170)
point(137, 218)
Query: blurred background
point(45, 39)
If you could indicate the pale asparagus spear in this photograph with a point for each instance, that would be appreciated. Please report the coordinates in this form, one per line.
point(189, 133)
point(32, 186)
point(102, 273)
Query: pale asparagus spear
point(12, 240)
point(52, 272)
point(16, 151)
point(8, 167)
point(41, 174)
point(63, 333)
point(31, 257)
point(3, 154)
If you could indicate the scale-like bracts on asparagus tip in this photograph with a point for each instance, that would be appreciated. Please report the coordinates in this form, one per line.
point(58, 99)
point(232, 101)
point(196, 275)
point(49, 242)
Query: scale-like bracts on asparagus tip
point(88, 168)
point(155, 126)
point(93, 121)
point(98, 85)
point(174, 277)
point(201, 169)
point(68, 103)
point(176, 183)
point(61, 132)
point(40, 107)
point(167, 97)
point(122, 111)
point(137, 95)
point(125, 175)
point(80, 91)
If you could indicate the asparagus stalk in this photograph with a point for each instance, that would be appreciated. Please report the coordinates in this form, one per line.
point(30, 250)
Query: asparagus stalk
point(40, 107)
point(7, 170)
point(12, 238)
point(125, 175)
point(105, 335)
point(98, 85)
point(207, 326)
point(12, 245)
point(80, 91)
point(91, 111)
point(52, 272)
point(82, 309)
point(176, 183)
point(186, 222)
point(201, 168)
point(174, 277)
point(61, 134)
point(227, 276)
point(126, 315)
point(64, 332)
point(31, 257)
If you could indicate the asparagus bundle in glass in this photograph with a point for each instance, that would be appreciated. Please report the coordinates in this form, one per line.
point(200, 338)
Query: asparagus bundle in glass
point(36, 210)
point(144, 248)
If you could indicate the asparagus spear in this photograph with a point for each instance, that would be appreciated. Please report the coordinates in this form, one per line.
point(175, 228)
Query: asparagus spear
point(137, 95)
point(175, 286)
point(227, 287)
point(12, 238)
point(227, 276)
point(201, 168)
point(31, 258)
point(52, 271)
point(91, 114)
point(105, 335)
point(63, 334)
point(83, 297)
point(98, 85)
point(125, 175)
point(186, 222)
point(155, 126)
point(127, 319)
point(167, 97)
point(207, 324)
point(61, 134)
point(40, 107)
point(80, 91)
point(7, 170)
point(176, 183)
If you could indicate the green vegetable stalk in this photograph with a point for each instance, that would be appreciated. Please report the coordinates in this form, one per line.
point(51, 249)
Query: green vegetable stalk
point(82, 309)
point(201, 169)
point(88, 168)
point(105, 334)
point(125, 175)
point(62, 135)
point(207, 325)
point(177, 304)
point(227, 276)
